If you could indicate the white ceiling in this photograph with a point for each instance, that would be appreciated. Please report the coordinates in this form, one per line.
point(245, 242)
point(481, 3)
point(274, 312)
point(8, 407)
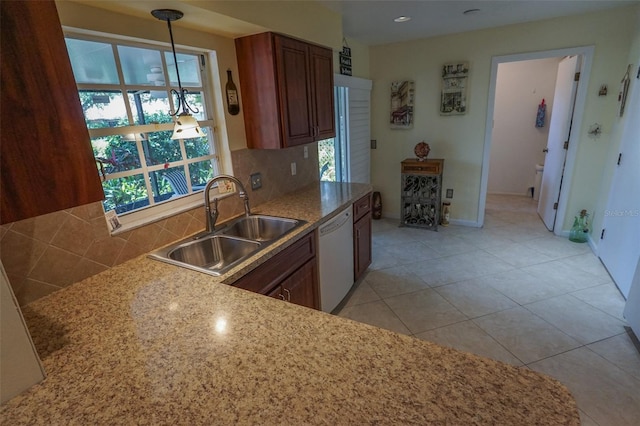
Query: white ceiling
point(371, 21)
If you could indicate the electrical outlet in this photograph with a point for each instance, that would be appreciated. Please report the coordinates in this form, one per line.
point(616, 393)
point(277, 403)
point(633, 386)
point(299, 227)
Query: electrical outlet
point(256, 180)
point(306, 152)
point(449, 193)
point(293, 168)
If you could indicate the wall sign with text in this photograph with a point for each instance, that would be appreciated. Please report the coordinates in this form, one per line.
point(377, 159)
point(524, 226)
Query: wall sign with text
point(345, 61)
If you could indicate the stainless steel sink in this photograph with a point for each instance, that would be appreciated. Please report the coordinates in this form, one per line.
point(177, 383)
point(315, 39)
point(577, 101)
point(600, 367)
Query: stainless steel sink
point(260, 227)
point(215, 253)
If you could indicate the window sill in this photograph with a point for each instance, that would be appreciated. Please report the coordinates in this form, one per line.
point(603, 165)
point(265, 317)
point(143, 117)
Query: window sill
point(156, 213)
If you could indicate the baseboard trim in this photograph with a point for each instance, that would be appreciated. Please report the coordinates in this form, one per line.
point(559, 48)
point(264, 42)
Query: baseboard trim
point(468, 223)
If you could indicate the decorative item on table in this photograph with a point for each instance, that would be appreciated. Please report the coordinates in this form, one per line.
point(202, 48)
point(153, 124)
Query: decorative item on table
point(580, 229)
point(542, 112)
point(446, 212)
point(377, 205)
point(453, 95)
point(422, 150)
point(401, 104)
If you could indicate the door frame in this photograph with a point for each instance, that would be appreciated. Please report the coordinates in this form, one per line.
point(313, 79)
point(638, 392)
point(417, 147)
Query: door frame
point(587, 56)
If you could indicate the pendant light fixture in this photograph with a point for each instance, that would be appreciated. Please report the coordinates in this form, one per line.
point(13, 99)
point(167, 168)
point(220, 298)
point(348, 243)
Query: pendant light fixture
point(186, 126)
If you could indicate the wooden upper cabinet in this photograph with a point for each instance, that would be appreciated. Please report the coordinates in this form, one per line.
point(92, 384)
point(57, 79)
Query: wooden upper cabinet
point(46, 160)
point(287, 90)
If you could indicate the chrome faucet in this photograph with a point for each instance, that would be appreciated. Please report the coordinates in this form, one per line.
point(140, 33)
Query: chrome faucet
point(212, 214)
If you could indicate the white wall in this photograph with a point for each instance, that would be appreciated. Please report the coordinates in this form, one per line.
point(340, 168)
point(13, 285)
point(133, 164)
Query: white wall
point(460, 139)
point(516, 145)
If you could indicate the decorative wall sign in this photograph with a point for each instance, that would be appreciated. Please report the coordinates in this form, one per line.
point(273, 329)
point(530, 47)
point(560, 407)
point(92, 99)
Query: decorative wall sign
point(453, 99)
point(401, 104)
point(345, 61)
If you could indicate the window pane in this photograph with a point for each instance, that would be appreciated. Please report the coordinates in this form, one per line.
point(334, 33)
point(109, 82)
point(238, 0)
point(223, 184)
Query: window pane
point(141, 66)
point(149, 107)
point(103, 109)
point(200, 173)
point(92, 62)
point(116, 153)
point(189, 69)
point(199, 147)
point(161, 149)
point(168, 183)
point(194, 99)
point(125, 194)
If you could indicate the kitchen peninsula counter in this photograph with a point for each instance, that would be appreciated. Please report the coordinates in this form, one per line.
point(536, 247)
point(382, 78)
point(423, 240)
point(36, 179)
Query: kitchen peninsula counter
point(150, 343)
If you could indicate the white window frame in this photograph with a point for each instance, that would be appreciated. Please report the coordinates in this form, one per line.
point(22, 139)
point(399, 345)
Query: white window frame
point(212, 90)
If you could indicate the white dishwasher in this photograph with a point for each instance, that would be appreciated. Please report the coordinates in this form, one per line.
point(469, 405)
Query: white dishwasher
point(336, 259)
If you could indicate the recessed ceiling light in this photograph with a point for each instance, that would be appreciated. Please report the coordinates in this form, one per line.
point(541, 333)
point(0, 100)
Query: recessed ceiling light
point(471, 12)
point(402, 19)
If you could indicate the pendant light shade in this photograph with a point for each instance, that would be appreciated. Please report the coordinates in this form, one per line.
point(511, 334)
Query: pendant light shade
point(186, 126)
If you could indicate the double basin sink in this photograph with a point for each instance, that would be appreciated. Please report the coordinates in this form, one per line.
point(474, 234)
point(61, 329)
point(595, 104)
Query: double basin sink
point(217, 252)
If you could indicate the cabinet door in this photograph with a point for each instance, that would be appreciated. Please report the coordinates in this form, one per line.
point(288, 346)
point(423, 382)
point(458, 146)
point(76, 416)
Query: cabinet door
point(47, 162)
point(296, 110)
point(322, 86)
point(362, 245)
point(300, 287)
point(277, 293)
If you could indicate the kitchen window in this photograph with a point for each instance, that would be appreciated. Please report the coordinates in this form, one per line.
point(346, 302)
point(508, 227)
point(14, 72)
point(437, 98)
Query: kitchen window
point(124, 89)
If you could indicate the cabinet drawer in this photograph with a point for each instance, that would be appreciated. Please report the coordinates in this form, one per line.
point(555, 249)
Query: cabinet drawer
point(428, 167)
point(362, 207)
point(273, 271)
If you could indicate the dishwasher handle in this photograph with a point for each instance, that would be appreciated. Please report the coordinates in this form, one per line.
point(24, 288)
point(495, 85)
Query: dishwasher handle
point(335, 223)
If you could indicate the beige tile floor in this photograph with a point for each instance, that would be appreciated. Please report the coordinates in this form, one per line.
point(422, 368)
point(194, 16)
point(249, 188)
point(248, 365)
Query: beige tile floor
point(511, 291)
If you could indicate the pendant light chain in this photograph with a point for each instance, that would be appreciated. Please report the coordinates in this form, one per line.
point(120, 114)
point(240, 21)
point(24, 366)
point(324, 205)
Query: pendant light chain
point(182, 98)
point(186, 126)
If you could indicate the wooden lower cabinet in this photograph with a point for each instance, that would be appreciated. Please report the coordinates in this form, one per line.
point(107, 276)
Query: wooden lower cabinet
point(298, 287)
point(361, 245)
point(291, 275)
point(361, 236)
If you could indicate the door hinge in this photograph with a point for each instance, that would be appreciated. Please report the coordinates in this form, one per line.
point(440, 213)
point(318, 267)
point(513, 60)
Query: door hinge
point(619, 158)
point(602, 234)
point(555, 206)
point(566, 145)
point(576, 77)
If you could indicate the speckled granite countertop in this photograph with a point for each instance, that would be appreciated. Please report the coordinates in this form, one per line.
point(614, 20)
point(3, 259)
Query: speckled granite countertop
point(150, 343)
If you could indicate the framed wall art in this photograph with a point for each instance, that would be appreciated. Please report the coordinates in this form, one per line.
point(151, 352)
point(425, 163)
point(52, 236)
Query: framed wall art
point(401, 104)
point(453, 98)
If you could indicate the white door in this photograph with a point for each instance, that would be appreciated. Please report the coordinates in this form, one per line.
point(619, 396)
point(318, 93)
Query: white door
point(619, 248)
point(559, 131)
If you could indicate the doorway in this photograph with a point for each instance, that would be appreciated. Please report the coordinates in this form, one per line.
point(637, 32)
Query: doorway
point(587, 56)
